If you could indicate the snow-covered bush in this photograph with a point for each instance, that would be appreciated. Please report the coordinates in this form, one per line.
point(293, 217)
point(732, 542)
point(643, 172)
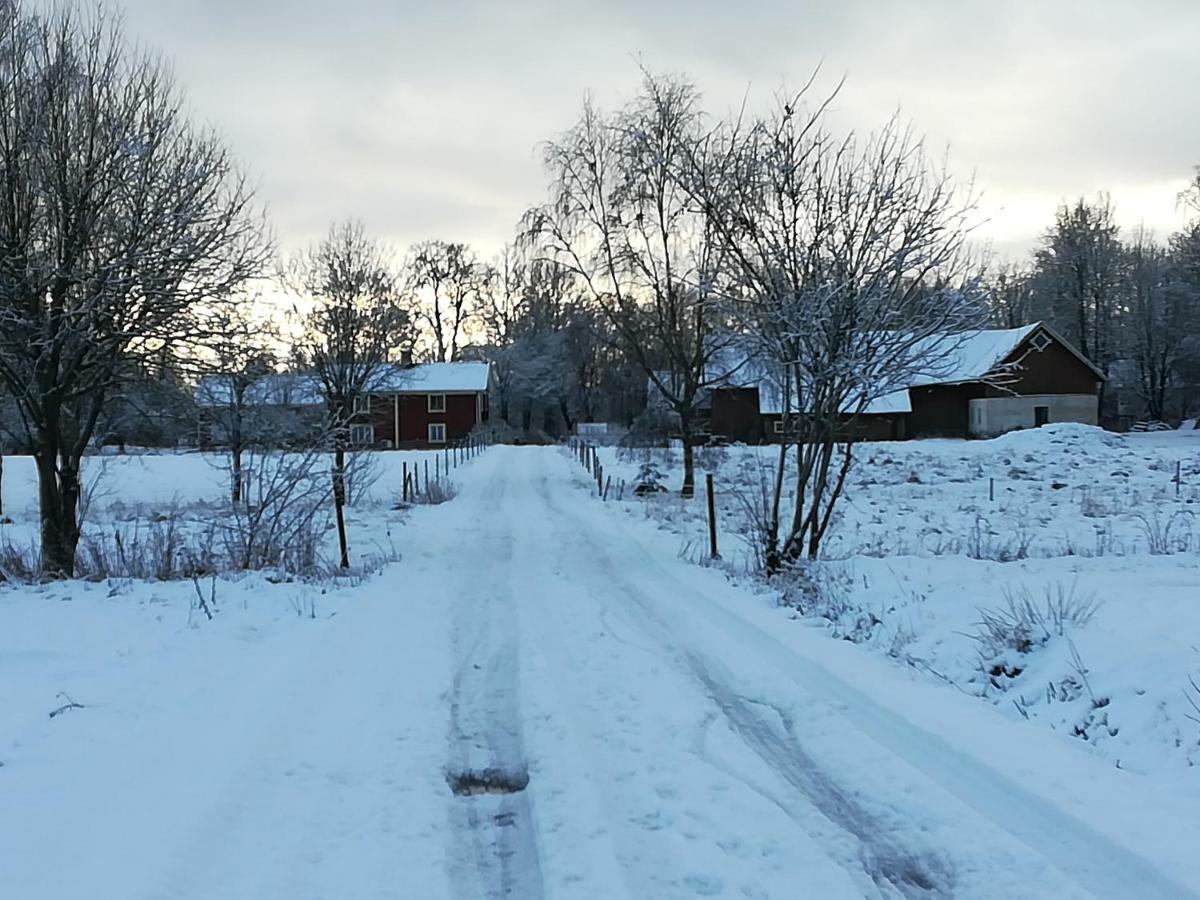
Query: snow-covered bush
point(649, 479)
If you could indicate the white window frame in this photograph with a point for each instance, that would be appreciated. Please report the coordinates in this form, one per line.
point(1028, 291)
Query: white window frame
point(437, 428)
point(1040, 341)
point(359, 432)
point(362, 403)
point(778, 425)
point(435, 408)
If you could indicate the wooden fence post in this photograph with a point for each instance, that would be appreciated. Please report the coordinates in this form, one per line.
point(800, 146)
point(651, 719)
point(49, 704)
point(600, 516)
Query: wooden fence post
point(404, 489)
point(427, 473)
point(712, 520)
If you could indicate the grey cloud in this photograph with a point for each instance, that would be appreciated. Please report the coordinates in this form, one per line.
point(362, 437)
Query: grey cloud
point(423, 118)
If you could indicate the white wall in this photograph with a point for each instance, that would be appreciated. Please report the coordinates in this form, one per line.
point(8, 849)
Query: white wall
point(992, 416)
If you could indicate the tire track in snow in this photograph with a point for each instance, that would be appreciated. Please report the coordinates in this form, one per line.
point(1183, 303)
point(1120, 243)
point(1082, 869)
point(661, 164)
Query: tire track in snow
point(1091, 860)
point(889, 865)
point(497, 849)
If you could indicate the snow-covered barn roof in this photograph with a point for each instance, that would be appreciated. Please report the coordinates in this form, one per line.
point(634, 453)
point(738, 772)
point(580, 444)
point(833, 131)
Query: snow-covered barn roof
point(967, 356)
point(740, 367)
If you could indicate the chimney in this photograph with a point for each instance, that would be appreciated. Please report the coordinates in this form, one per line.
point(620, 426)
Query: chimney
point(406, 359)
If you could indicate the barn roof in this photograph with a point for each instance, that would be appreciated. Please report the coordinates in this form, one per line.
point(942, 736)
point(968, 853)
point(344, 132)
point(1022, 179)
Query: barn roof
point(969, 355)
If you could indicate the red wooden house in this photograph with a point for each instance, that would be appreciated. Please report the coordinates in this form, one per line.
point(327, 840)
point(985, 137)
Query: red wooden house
point(408, 407)
point(424, 405)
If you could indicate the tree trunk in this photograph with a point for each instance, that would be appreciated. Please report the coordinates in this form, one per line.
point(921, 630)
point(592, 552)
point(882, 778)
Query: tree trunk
point(58, 493)
point(235, 486)
point(689, 457)
point(771, 559)
point(339, 498)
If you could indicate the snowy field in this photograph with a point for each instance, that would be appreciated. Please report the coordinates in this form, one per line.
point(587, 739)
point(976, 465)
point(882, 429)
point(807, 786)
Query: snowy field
point(678, 734)
point(933, 538)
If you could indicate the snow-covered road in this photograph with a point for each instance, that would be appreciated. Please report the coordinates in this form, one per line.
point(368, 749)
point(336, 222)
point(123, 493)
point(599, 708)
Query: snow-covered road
point(678, 738)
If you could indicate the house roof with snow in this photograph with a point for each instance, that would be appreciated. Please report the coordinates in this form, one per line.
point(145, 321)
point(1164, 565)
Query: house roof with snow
point(285, 389)
point(435, 378)
point(297, 389)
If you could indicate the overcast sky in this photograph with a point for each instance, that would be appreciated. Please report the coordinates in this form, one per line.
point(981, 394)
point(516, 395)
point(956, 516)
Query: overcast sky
point(423, 119)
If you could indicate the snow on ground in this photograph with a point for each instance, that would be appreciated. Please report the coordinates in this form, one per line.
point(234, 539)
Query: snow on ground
point(932, 534)
point(293, 746)
point(680, 736)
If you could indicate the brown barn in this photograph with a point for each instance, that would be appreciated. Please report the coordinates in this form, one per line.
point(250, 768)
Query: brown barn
point(993, 382)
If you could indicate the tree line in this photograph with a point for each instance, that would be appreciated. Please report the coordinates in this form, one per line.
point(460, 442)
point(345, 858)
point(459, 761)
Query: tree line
point(1129, 302)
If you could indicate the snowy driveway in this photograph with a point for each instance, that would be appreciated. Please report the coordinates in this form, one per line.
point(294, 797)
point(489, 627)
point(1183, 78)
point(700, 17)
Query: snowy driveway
point(679, 739)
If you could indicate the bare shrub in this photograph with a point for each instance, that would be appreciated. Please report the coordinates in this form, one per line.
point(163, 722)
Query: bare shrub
point(1192, 693)
point(1024, 623)
point(161, 550)
point(283, 518)
point(1165, 534)
point(753, 492)
point(362, 472)
point(432, 494)
point(20, 564)
point(983, 543)
point(1092, 507)
point(821, 591)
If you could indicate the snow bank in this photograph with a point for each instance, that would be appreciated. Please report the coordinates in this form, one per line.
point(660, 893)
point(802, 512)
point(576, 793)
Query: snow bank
point(932, 533)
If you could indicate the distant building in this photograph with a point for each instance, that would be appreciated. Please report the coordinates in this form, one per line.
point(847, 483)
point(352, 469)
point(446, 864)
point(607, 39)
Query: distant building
point(992, 382)
point(425, 405)
point(416, 406)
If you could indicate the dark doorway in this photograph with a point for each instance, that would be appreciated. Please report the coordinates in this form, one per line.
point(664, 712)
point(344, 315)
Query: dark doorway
point(1041, 416)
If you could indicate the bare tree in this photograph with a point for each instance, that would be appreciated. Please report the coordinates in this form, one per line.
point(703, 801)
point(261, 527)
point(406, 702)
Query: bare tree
point(852, 278)
point(355, 326)
point(119, 224)
point(1081, 266)
point(501, 306)
point(1013, 297)
point(1191, 194)
point(1160, 316)
point(447, 281)
point(643, 249)
point(234, 391)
